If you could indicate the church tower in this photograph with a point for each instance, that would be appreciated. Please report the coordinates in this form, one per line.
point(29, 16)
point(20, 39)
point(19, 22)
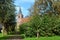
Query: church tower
point(19, 17)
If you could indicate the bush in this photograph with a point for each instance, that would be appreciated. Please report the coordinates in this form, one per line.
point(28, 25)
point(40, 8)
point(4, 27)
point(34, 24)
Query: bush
point(45, 26)
point(26, 30)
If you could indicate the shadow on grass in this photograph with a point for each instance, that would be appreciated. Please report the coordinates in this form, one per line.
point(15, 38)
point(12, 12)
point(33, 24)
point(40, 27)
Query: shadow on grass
point(11, 37)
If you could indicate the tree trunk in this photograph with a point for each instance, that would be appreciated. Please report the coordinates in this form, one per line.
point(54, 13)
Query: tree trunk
point(37, 34)
point(4, 32)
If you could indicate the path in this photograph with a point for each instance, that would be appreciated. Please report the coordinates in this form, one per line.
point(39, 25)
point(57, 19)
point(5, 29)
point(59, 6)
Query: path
point(14, 37)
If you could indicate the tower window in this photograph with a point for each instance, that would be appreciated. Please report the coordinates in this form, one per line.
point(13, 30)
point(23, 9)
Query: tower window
point(18, 16)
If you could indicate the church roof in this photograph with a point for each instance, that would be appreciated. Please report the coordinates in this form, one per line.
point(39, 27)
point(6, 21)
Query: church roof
point(24, 20)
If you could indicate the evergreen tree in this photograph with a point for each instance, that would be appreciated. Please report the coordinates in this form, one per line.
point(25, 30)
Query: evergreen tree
point(46, 23)
point(7, 14)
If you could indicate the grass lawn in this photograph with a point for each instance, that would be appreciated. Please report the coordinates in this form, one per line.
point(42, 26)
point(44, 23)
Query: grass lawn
point(9, 37)
point(41, 38)
point(44, 38)
point(1, 35)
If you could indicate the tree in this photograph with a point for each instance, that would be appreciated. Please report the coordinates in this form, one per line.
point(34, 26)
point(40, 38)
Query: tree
point(26, 29)
point(46, 24)
point(35, 24)
point(56, 7)
point(46, 6)
point(7, 14)
point(42, 6)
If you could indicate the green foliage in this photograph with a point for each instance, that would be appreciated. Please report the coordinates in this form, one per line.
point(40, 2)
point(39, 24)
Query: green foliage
point(44, 25)
point(26, 30)
point(1, 35)
point(7, 14)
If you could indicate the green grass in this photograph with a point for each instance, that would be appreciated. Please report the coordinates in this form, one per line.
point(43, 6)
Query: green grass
point(40, 38)
point(44, 38)
point(1, 35)
point(7, 36)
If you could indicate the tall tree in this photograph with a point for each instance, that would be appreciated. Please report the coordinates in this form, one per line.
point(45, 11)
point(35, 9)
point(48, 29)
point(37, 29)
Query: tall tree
point(36, 24)
point(56, 7)
point(42, 6)
point(45, 26)
point(7, 14)
point(46, 6)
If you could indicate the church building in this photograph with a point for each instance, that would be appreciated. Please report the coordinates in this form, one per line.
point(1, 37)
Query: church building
point(21, 19)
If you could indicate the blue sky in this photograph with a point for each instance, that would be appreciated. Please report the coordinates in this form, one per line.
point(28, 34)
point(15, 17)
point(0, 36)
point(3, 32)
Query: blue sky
point(25, 5)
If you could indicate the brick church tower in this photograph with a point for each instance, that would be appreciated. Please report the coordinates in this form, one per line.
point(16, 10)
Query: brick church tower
point(19, 17)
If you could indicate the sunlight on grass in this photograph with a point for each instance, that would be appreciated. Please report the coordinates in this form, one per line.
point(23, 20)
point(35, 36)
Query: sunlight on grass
point(44, 38)
point(1, 35)
point(33, 38)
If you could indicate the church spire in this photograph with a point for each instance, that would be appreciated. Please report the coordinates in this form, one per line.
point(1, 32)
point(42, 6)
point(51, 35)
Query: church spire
point(20, 15)
point(20, 12)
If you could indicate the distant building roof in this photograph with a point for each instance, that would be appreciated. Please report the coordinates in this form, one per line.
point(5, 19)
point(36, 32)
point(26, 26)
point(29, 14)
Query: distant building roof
point(24, 20)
